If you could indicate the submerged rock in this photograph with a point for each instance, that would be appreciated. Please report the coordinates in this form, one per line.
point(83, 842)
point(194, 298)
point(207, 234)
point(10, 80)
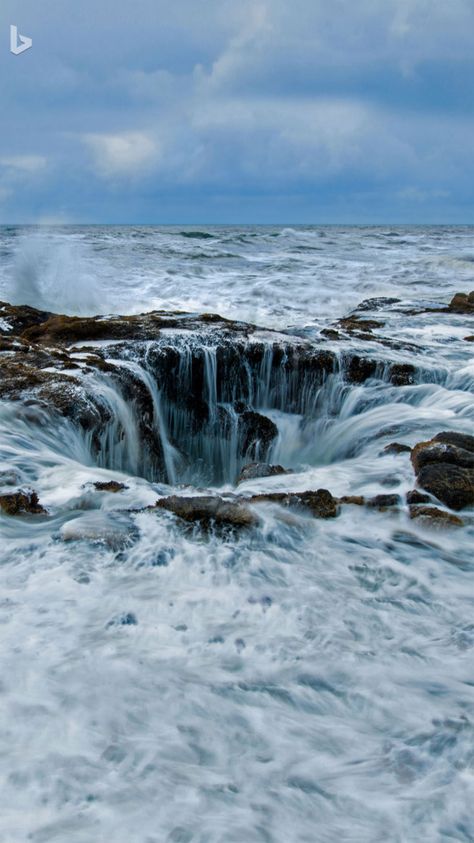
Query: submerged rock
point(383, 502)
point(319, 503)
point(209, 510)
point(254, 470)
point(21, 503)
point(435, 517)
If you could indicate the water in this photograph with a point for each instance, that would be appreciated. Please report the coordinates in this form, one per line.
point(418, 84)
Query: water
point(306, 681)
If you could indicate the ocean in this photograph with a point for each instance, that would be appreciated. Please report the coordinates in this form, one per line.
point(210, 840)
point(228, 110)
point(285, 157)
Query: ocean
point(307, 680)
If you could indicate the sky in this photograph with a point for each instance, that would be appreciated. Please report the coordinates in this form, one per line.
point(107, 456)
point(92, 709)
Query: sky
point(238, 111)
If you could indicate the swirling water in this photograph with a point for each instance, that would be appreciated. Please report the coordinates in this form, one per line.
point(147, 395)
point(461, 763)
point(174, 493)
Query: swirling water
point(307, 681)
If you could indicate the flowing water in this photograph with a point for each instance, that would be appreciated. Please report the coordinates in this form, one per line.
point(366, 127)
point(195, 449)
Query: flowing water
point(306, 681)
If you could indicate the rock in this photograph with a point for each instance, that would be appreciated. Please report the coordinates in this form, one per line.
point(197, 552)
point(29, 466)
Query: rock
point(470, 338)
point(436, 451)
point(110, 486)
point(462, 303)
point(435, 517)
point(451, 484)
point(254, 470)
point(460, 440)
point(21, 503)
point(396, 448)
point(402, 374)
point(9, 478)
point(383, 502)
point(357, 500)
point(209, 510)
point(414, 497)
point(114, 531)
point(320, 503)
point(126, 619)
point(257, 433)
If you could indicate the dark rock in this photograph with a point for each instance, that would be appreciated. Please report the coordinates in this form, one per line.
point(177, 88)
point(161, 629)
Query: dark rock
point(209, 510)
point(357, 500)
point(402, 374)
point(383, 502)
point(435, 517)
point(360, 369)
point(396, 448)
point(415, 497)
point(470, 338)
point(126, 619)
point(110, 486)
point(437, 451)
point(254, 470)
point(451, 484)
point(377, 303)
point(462, 303)
point(257, 432)
point(21, 503)
point(460, 440)
point(320, 503)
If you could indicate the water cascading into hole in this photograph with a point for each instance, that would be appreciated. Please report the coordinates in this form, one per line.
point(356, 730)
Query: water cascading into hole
point(196, 414)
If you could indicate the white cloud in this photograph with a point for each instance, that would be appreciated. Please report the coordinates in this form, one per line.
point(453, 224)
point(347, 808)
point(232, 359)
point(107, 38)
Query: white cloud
point(24, 163)
point(126, 155)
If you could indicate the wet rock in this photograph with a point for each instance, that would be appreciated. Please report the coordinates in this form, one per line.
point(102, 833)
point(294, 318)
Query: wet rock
point(462, 303)
point(21, 503)
point(460, 440)
point(383, 502)
point(319, 503)
point(257, 432)
point(396, 448)
point(402, 374)
point(356, 500)
point(360, 369)
point(112, 486)
point(116, 532)
point(209, 510)
point(470, 338)
point(434, 517)
point(377, 303)
point(254, 470)
point(438, 451)
point(415, 497)
point(125, 619)
point(451, 484)
point(9, 478)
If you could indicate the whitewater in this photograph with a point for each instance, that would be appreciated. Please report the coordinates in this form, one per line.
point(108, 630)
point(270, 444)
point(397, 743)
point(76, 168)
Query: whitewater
point(307, 680)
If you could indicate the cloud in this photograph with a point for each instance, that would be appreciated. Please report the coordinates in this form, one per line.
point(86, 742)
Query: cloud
point(324, 103)
point(23, 163)
point(130, 154)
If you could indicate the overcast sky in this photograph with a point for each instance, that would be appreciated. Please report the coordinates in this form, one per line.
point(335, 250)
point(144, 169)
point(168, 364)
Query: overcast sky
point(238, 111)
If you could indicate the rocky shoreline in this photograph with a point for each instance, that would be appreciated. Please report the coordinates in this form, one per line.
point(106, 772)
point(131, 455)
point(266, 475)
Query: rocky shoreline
point(210, 373)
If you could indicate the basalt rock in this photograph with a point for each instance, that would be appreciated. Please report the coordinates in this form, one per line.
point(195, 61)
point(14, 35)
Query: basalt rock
point(396, 448)
point(436, 451)
point(21, 503)
point(255, 470)
point(209, 510)
point(444, 467)
point(112, 486)
point(452, 485)
point(416, 497)
point(384, 502)
point(434, 517)
point(462, 303)
point(320, 503)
